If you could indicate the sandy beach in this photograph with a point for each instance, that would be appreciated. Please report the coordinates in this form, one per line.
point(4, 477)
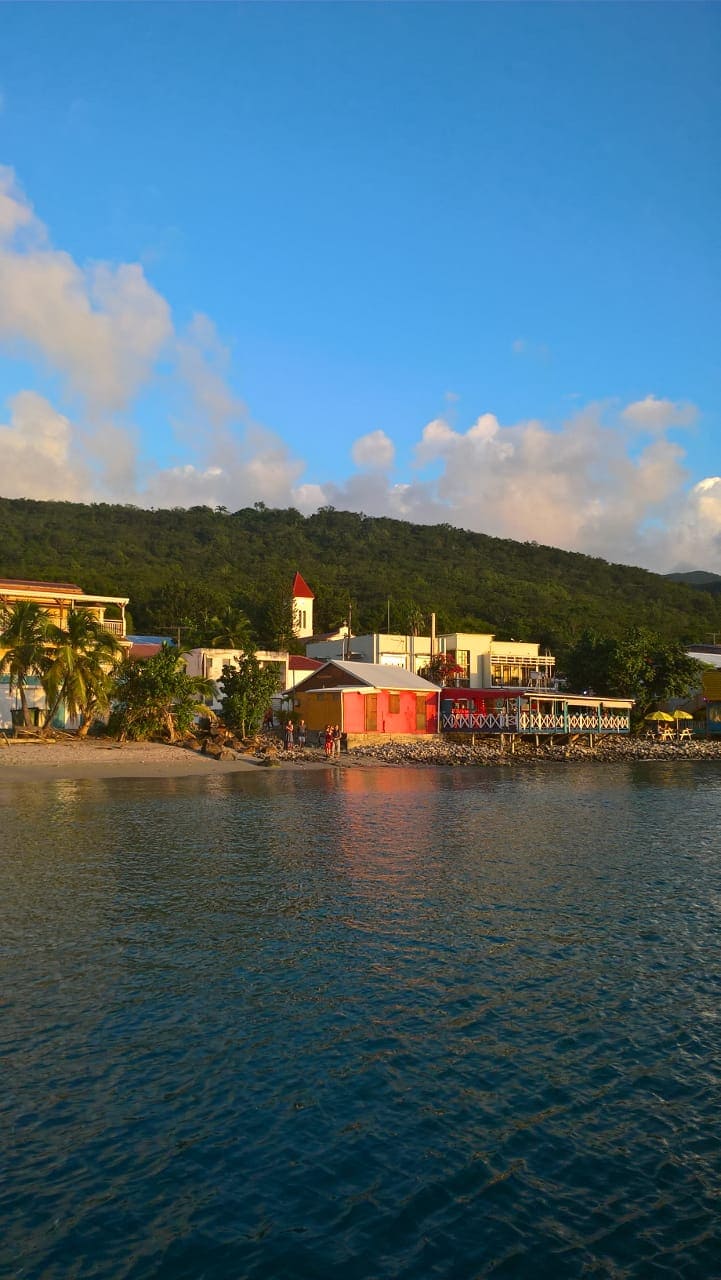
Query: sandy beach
point(24, 759)
point(27, 759)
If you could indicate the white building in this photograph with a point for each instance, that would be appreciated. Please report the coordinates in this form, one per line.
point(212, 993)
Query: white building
point(484, 661)
point(409, 652)
point(209, 663)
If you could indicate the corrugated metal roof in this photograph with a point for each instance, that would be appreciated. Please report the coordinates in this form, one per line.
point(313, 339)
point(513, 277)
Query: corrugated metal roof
point(29, 584)
point(159, 640)
point(379, 676)
point(706, 653)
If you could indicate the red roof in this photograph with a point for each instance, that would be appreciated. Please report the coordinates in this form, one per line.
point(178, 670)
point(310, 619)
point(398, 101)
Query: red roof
point(28, 583)
point(300, 588)
point(297, 662)
point(144, 650)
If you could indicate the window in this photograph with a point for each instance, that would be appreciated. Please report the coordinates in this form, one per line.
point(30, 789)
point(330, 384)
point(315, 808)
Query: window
point(394, 704)
point(462, 659)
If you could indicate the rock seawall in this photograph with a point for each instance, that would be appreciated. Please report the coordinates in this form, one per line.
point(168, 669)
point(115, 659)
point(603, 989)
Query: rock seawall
point(429, 751)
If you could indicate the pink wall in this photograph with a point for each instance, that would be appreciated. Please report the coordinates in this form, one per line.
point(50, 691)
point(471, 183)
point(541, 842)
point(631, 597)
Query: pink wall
point(353, 712)
point(402, 721)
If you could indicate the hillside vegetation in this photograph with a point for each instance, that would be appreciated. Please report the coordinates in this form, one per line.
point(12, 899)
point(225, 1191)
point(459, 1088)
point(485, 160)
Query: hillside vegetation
point(184, 569)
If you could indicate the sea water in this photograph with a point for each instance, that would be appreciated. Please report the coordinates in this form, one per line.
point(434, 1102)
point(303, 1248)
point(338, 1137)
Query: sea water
point(366, 1022)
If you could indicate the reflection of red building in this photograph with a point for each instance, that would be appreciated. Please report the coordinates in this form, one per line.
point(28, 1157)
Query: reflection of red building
point(525, 711)
point(366, 698)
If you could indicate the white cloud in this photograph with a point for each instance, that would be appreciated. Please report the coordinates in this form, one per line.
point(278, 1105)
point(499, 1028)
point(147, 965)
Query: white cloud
point(101, 327)
point(576, 487)
point(15, 211)
point(533, 350)
point(37, 448)
point(584, 484)
point(203, 364)
point(374, 451)
point(651, 414)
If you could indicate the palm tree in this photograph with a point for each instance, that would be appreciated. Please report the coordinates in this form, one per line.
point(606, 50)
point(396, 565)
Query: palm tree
point(232, 627)
point(83, 656)
point(24, 629)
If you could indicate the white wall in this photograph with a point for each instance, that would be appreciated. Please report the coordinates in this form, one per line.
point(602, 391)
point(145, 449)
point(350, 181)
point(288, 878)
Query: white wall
point(35, 698)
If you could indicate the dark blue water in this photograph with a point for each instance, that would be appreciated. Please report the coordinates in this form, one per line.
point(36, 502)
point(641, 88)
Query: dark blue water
point(376, 1024)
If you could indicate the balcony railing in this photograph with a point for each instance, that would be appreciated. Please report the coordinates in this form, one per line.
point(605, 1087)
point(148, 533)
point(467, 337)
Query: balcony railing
point(534, 722)
point(115, 626)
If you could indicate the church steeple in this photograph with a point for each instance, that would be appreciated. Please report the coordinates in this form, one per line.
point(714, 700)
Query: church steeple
point(303, 599)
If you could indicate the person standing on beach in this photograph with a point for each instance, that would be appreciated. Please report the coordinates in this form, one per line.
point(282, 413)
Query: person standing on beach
point(328, 740)
point(301, 734)
point(289, 735)
point(336, 740)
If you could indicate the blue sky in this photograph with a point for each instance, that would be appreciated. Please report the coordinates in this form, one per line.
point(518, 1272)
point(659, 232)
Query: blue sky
point(449, 262)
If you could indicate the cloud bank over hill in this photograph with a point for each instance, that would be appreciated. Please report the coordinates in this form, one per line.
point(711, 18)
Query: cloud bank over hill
point(610, 480)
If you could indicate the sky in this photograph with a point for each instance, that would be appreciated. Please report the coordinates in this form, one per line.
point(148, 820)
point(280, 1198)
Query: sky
point(448, 262)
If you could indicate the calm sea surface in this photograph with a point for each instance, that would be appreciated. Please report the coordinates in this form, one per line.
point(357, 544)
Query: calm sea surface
point(370, 1024)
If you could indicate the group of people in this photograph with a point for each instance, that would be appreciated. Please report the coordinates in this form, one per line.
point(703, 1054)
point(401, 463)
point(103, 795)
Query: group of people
point(331, 740)
point(296, 735)
point(289, 732)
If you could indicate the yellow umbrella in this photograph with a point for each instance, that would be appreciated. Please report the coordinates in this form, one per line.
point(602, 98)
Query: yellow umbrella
point(682, 715)
point(659, 715)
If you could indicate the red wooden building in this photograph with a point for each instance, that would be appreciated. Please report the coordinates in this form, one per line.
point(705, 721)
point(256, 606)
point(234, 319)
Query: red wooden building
point(532, 712)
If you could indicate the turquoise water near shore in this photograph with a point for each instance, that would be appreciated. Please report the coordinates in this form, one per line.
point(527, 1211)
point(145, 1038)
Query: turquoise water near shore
point(389, 1023)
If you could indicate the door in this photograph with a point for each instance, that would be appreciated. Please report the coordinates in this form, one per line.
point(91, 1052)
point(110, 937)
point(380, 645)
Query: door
point(371, 708)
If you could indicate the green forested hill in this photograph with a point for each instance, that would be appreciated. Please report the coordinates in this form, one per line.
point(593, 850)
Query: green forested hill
point(182, 568)
point(698, 578)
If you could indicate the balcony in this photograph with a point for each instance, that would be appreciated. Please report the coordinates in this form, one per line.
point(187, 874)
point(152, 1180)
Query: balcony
point(115, 626)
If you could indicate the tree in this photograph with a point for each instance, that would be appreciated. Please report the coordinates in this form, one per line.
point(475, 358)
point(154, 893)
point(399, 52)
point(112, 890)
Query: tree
point(25, 627)
point(156, 698)
point(232, 629)
point(587, 663)
point(247, 690)
point(441, 670)
point(279, 616)
point(81, 660)
point(650, 670)
point(639, 665)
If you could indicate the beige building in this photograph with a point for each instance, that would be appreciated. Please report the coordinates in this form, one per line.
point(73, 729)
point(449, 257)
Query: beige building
point(484, 661)
point(60, 598)
point(57, 600)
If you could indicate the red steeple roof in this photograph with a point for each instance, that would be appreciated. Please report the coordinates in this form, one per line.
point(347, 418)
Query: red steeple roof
point(301, 589)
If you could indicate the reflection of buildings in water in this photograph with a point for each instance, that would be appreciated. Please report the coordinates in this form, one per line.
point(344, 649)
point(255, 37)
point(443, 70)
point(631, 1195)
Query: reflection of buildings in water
point(380, 845)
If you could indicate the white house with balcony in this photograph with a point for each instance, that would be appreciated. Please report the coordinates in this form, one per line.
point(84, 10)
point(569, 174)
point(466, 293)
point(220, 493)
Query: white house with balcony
point(486, 662)
point(483, 660)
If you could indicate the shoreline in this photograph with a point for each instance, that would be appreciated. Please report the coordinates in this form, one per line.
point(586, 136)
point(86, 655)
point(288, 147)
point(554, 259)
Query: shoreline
point(24, 760)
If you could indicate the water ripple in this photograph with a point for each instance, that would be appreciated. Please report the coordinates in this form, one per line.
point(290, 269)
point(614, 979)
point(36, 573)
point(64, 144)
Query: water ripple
point(405, 1025)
